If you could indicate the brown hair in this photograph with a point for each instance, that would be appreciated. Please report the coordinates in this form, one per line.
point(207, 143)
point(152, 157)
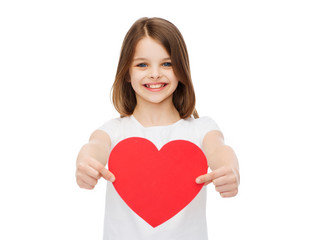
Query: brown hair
point(163, 31)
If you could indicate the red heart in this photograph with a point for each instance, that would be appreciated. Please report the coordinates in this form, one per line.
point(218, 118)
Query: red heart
point(157, 185)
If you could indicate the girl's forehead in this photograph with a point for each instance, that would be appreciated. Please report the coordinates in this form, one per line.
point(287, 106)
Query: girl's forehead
point(150, 48)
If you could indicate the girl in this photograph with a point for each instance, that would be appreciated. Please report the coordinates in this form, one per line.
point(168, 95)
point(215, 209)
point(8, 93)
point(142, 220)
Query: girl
point(154, 95)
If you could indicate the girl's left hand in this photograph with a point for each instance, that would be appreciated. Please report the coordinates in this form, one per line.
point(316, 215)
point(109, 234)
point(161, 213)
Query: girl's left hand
point(225, 179)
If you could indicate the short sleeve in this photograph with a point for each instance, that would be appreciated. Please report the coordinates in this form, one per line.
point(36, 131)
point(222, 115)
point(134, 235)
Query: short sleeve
point(205, 125)
point(112, 128)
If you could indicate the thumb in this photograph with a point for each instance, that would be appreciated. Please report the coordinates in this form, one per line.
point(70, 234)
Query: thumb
point(206, 178)
point(107, 175)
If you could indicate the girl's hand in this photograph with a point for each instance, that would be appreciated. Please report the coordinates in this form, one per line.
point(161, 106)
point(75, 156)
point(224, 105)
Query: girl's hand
point(225, 179)
point(89, 171)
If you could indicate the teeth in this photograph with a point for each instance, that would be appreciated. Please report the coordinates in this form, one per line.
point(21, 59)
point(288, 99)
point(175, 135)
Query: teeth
point(155, 85)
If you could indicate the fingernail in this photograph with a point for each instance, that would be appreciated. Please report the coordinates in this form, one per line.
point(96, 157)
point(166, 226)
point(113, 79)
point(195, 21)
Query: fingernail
point(198, 180)
point(112, 178)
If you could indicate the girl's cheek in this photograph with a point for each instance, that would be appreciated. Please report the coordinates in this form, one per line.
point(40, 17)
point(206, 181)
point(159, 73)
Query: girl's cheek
point(139, 74)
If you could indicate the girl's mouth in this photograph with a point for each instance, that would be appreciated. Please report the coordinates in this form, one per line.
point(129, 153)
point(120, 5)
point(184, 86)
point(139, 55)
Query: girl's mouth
point(155, 86)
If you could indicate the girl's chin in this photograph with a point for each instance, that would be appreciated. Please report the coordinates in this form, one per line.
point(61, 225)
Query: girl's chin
point(154, 100)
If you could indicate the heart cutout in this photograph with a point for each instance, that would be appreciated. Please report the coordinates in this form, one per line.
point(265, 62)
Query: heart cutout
point(157, 184)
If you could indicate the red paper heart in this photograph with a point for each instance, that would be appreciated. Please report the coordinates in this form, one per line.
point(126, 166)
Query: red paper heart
point(157, 184)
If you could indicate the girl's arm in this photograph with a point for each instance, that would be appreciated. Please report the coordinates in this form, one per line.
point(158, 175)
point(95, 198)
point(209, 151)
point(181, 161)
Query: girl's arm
point(223, 163)
point(91, 161)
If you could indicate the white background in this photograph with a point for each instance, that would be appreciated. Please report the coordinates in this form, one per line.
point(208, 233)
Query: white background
point(257, 67)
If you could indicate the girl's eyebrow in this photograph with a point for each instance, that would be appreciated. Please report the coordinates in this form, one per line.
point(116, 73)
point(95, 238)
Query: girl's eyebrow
point(145, 59)
point(139, 59)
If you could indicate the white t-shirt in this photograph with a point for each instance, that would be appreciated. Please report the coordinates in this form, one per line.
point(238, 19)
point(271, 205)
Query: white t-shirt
point(121, 223)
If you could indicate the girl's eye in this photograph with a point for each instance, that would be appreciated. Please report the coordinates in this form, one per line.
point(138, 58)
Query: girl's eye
point(142, 65)
point(167, 64)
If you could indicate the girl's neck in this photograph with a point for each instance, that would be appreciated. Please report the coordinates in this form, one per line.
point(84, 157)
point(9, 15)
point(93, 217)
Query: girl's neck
point(156, 114)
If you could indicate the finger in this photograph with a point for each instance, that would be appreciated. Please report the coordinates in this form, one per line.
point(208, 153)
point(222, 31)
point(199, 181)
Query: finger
point(86, 169)
point(207, 183)
point(229, 194)
point(220, 181)
point(107, 175)
point(226, 188)
point(95, 164)
point(211, 176)
point(93, 173)
point(224, 180)
point(206, 178)
point(221, 171)
point(88, 180)
point(84, 185)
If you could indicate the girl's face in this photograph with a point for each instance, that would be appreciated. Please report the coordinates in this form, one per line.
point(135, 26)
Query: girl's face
point(151, 73)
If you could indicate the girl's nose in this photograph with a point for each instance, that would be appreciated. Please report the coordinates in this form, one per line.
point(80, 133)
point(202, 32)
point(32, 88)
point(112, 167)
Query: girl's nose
point(155, 74)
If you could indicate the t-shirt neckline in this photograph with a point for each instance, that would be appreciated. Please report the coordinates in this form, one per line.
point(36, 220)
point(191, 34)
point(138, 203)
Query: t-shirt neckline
point(151, 127)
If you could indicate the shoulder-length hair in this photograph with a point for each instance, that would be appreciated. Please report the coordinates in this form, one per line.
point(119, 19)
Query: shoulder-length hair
point(163, 31)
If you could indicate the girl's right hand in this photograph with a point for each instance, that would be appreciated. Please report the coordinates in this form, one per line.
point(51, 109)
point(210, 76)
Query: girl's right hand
point(89, 171)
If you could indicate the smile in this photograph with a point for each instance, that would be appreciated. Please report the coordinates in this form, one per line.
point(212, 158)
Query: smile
point(155, 86)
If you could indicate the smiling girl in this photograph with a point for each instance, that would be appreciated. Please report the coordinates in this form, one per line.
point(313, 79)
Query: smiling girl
point(154, 94)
